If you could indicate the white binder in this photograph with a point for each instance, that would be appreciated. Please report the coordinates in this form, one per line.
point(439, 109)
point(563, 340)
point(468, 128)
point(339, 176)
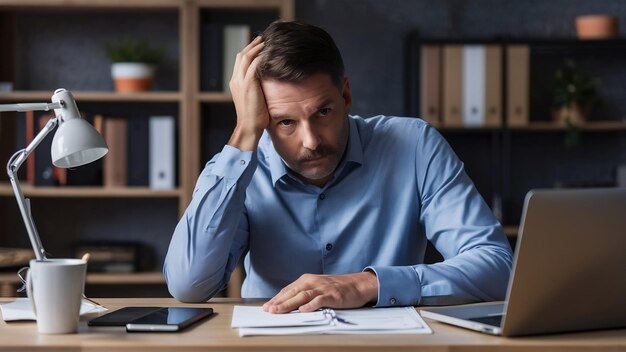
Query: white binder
point(236, 37)
point(473, 85)
point(162, 149)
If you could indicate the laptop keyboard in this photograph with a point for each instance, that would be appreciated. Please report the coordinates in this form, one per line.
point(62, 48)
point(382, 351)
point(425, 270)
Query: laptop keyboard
point(494, 320)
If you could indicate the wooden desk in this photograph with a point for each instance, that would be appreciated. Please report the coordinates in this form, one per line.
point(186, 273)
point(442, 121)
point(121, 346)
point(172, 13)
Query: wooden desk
point(216, 335)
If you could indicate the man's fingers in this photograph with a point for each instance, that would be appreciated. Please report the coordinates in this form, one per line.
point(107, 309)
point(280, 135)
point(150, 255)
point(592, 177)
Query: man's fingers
point(315, 304)
point(311, 292)
point(251, 73)
point(294, 302)
point(246, 56)
point(279, 297)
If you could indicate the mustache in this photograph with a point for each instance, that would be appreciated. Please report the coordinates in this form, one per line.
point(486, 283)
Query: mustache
point(319, 152)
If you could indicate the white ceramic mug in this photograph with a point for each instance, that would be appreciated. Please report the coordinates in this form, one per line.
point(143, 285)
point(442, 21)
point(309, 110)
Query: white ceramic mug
point(55, 288)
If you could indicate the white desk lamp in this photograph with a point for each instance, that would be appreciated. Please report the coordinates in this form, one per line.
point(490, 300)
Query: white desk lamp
point(75, 143)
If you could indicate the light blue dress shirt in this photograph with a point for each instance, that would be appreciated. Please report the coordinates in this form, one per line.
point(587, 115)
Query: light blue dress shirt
point(398, 186)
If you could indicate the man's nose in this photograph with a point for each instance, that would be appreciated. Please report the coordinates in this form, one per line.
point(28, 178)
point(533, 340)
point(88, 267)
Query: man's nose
point(310, 137)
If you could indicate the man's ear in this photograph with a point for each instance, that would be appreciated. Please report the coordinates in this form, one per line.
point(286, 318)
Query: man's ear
point(347, 94)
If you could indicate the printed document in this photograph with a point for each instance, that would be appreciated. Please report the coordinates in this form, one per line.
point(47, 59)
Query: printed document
point(397, 320)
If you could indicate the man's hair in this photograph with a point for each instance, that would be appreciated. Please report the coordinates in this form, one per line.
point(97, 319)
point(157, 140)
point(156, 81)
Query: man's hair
point(294, 51)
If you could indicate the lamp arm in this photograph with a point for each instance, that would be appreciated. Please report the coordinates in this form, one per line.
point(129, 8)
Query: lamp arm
point(31, 107)
point(24, 203)
point(24, 153)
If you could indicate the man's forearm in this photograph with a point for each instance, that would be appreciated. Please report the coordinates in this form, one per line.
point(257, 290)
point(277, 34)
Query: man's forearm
point(208, 240)
point(245, 140)
point(479, 274)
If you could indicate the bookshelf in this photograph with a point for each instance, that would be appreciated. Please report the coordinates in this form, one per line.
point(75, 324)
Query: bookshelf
point(510, 158)
point(176, 24)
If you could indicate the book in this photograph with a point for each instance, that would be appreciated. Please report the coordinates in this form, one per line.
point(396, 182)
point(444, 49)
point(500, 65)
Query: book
point(114, 163)
point(518, 77)
point(430, 83)
point(138, 152)
point(493, 86)
point(45, 174)
point(211, 56)
point(396, 320)
point(236, 37)
point(473, 85)
point(162, 152)
point(452, 85)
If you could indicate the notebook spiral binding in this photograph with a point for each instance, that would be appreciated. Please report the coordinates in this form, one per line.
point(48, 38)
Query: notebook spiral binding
point(333, 318)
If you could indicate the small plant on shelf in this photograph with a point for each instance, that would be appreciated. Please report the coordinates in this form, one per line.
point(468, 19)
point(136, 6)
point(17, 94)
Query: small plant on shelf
point(133, 65)
point(574, 94)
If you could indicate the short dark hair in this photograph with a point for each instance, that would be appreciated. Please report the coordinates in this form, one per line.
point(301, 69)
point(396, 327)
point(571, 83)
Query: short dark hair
point(294, 51)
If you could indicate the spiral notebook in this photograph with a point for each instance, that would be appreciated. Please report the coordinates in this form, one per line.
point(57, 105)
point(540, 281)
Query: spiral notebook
point(401, 320)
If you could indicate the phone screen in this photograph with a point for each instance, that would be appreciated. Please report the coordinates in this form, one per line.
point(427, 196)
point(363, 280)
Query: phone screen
point(169, 319)
point(122, 316)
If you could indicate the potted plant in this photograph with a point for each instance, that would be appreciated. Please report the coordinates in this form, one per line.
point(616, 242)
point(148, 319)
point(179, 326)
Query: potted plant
point(133, 64)
point(574, 94)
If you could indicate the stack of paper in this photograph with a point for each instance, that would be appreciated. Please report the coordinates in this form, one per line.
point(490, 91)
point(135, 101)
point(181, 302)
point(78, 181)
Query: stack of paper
point(22, 309)
point(403, 320)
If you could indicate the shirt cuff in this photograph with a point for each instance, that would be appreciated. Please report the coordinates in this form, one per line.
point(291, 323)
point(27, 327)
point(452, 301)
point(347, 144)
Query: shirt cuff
point(394, 285)
point(232, 162)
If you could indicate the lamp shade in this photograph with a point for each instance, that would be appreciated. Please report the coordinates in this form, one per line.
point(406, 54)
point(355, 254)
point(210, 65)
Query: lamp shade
point(77, 143)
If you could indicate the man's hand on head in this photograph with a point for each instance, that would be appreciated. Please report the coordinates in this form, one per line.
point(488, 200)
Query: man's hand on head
point(311, 292)
point(252, 114)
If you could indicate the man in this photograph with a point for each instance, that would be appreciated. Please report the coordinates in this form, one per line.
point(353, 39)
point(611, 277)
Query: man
point(335, 210)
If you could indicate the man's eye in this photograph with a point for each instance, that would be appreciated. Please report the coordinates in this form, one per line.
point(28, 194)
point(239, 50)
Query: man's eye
point(324, 111)
point(285, 122)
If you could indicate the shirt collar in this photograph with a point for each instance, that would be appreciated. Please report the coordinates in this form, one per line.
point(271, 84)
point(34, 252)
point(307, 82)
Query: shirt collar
point(354, 154)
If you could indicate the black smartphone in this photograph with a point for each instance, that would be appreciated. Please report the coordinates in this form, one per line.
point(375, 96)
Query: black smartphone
point(169, 319)
point(122, 316)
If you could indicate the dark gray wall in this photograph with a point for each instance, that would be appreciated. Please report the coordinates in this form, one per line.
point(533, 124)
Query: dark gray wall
point(371, 33)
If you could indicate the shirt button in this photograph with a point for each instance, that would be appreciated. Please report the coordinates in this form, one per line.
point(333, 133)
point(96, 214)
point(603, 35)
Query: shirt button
point(392, 301)
point(242, 162)
point(322, 196)
point(329, 246)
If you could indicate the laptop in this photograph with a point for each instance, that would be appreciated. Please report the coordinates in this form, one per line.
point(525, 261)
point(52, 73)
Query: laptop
point(569, 269)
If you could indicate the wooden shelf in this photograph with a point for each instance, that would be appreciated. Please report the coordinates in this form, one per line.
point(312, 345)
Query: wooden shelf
point(143, 278)
point(92, 96)
point(132, 283)
point(91, 192)
point(555, 126)
point(146, 278)
point(64, 5)
point(189, 17)
point(444, 128)
point(511, 231)
point(540, 126)
point(217, 97)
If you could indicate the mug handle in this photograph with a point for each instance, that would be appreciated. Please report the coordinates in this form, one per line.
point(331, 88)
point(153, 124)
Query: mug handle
point(29, 291)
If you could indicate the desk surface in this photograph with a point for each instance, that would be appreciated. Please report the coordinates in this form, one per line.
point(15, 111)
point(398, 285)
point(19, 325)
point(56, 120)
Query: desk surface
point(215, 334)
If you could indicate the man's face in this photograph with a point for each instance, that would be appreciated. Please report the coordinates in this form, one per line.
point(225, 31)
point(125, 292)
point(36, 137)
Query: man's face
point(309, 125)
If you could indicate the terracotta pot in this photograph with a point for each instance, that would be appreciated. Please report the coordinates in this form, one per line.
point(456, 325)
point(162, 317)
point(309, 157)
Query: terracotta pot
point(132, 76)
point(572, 113)
point(596, 26)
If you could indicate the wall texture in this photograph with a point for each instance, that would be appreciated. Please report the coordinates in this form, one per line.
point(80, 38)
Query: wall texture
point(371, 33)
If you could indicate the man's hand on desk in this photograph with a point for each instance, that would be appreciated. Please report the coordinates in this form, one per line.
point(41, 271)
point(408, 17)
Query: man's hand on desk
point(311, 292)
